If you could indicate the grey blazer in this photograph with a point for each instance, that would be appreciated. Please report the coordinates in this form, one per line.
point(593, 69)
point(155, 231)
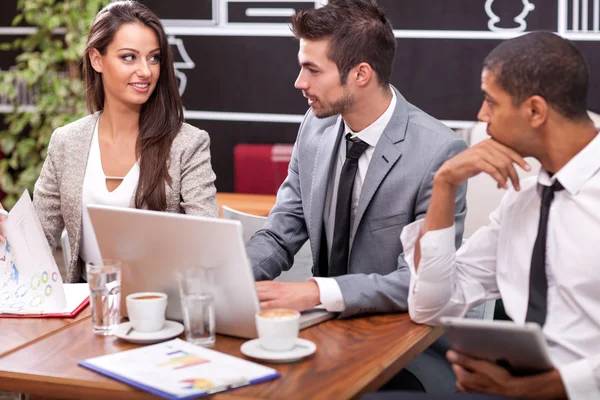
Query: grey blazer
point(396, 192)
point(57, 193)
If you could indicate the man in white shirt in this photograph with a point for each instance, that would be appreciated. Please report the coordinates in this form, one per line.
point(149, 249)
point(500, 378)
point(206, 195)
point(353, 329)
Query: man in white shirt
point(539, 252)
point(362, 168)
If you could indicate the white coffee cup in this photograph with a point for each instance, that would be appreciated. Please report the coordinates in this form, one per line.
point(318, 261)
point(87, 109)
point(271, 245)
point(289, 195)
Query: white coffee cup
point(146, 310)
point(278, 328)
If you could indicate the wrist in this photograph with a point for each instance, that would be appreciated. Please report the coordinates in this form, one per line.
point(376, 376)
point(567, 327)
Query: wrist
point(442, 181)
point(314, 293)
point(547, 385)
point(515, 388)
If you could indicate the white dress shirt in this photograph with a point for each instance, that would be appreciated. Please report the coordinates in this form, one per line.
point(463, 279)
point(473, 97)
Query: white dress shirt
point(330, 292)
point(495, 263)
point(95, 192)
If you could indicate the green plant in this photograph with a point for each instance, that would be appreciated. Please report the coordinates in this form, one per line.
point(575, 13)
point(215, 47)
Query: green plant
point(48, 65)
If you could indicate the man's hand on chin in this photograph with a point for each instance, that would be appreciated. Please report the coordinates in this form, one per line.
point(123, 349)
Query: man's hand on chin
point(297, 296)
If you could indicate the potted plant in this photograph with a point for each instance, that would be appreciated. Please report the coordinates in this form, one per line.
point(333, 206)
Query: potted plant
point(45, 86)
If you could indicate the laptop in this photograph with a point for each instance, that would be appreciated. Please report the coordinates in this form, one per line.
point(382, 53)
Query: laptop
point(153, 246)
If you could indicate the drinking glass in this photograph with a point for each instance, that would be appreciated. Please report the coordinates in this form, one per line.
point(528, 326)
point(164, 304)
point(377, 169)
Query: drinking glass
point(198, 305)
point(104, 279)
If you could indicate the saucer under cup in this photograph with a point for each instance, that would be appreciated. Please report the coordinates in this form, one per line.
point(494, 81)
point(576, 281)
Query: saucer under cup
point(302, 348)
point(170, 330)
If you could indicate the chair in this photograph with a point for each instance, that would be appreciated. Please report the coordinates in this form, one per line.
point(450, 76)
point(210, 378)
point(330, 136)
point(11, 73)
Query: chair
point(302, 268)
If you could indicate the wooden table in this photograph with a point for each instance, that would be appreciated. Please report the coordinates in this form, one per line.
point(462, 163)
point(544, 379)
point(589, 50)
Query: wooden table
point(256, 204)
point(353, 357)
point(16, 333)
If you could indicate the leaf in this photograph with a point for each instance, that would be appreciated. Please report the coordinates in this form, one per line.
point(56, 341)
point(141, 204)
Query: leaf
point(25, 149)
point(17, 19)
point(60, 90)
point(9, 201)
point(40, 79)
point(8, 144)
point(13, 162)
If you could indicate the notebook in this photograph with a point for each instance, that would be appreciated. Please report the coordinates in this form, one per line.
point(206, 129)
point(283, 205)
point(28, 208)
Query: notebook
point(179, 370)
point(30, 283)
point(77, 297)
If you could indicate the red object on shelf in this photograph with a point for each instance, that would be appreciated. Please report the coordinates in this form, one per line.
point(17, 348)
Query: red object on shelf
point(260, 168)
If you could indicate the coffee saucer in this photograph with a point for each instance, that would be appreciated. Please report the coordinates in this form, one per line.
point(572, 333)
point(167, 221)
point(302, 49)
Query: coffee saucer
point(170, 330)
point(302, 348)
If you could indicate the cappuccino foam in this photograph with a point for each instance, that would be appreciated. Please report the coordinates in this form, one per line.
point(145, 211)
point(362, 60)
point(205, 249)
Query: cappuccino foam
point(278, 314)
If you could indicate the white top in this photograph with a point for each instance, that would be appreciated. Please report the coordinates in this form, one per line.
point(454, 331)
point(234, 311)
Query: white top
point(495, 263)
point(95, 192)
point(330, 292)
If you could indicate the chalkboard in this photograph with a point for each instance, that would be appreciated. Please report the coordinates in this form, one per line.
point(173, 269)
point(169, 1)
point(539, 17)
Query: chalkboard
point(236, 60)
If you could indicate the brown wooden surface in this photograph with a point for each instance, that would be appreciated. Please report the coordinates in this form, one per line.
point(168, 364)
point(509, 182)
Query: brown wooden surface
point(353, 357)
point(255, 204)
point(16, 333)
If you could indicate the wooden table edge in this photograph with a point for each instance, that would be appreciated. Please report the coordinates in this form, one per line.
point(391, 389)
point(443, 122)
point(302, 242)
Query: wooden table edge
point(388, 371)
point(56, 387)
point(45, 336)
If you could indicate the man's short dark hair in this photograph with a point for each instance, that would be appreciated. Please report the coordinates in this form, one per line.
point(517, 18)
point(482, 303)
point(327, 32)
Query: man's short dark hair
point(357, 30)
point(543, 64)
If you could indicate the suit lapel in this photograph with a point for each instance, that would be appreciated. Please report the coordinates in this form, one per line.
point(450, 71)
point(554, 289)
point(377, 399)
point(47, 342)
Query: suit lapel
point(326, 154)
point(387, 152)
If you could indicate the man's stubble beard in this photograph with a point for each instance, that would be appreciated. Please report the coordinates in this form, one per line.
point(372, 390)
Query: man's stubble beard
point(339, 107)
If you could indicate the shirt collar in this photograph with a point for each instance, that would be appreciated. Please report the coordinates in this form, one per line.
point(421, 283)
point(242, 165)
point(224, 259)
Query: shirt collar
point(578, 170)
point(373, 132)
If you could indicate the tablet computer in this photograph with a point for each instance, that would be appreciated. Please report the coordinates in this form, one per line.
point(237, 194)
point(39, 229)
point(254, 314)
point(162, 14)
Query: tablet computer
point(519, 348)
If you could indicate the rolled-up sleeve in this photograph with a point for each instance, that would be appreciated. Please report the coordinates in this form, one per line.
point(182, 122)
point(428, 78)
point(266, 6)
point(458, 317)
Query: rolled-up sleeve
point(449, 282)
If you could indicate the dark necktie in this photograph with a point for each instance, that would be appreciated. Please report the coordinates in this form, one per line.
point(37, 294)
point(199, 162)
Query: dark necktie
point(538, 282)
point(338, 264)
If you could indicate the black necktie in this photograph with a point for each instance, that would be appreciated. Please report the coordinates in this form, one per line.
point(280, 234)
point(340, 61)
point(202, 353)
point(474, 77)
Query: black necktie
point(338, 264)
point(538, 283)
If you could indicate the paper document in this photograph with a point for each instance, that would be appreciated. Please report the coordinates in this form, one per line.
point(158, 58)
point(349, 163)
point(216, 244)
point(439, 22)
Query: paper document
point(179, 370)
point(30, 282)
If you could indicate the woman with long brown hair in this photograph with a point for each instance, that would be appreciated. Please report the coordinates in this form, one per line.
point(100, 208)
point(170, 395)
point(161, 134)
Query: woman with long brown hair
point(134, 150)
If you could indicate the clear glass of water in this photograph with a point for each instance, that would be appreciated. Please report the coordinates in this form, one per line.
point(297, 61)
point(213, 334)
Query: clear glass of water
point(104, 279)
point(198, 305)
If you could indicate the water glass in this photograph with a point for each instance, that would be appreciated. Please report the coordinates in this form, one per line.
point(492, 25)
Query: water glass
point(198, 305)
point(104, 279)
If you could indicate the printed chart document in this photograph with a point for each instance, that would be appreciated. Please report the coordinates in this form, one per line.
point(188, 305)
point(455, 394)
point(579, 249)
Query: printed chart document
point(179, 370)
point(30, 283)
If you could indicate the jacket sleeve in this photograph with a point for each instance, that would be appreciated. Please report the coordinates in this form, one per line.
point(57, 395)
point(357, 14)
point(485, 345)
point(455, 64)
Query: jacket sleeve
point(46, 194)
point(198, 193)
point(271, 250)
point(375, 293)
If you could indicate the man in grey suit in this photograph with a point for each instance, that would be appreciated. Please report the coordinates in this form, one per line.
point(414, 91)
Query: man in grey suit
point(362, 168)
